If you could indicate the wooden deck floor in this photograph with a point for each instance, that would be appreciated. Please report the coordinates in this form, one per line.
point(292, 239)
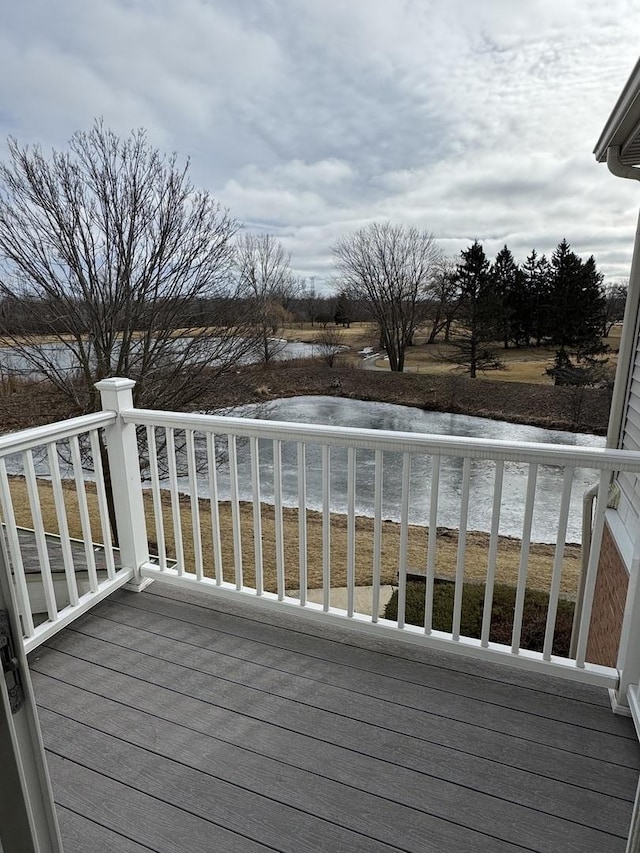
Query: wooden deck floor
point(182, 724)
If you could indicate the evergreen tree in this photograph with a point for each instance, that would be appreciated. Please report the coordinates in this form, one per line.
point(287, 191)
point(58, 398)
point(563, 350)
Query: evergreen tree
point(576, 317)
point(577, 302)
point(477, 314)
point(529, 302)
point(342, 313)
point(504, 279)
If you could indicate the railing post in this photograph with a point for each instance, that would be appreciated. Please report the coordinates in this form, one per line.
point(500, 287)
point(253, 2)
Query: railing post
point(124, 470)
point(628, 662)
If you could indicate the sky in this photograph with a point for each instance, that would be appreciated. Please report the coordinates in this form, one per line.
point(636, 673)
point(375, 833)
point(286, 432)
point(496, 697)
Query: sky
point(309, 119)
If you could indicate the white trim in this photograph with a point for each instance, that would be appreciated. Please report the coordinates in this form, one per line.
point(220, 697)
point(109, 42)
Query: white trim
point(634, 706)
point(621, 537)
point(623, 120)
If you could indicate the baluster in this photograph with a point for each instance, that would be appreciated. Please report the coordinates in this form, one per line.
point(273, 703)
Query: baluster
point(40, 537)
point(257, 516)
point(524, 558)
point(326, 528)
point(462, 545)
point(351, 528)
point(493, 554)
point(404, 536)
point(377, 534)
point(433, 542)
point(235, 512)
point(175, 499)
point(83, 509)
point(63, 527)
point(156, 495)
point(277, 509)
point(558, 560)
point(302, 522)
point(195, 503)
point(215, 508)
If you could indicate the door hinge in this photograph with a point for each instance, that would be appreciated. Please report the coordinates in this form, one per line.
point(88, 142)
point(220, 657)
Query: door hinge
point(10, 664)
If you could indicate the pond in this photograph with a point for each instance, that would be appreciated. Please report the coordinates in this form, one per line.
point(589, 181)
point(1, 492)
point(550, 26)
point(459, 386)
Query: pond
point(62, 358)
point(371, 415)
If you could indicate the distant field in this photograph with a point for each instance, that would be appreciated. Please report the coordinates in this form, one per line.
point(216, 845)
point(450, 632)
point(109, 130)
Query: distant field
point(525, 364)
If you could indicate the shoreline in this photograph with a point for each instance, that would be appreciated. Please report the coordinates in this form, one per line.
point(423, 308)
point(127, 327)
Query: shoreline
point(26, 404)
point(547, 406)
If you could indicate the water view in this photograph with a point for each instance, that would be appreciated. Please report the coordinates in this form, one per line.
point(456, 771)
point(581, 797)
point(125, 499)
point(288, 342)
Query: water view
point(371, 415)
point(63, 358)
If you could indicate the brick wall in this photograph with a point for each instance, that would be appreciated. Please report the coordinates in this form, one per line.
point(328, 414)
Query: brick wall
point(608, 604)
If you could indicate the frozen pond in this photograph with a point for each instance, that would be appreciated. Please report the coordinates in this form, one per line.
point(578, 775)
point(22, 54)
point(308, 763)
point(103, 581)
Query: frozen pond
point(356, 413)
point(63, 358)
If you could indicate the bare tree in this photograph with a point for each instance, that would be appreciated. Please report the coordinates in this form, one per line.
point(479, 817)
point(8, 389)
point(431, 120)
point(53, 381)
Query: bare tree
point(616, 298)
point(442, 301)
point(265, 280)
point(328, 344)
point(125, 258)
point(312, 304)
point(390, 269)
point(112, 239)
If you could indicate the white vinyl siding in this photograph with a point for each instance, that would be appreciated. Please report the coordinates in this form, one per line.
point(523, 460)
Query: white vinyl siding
point(630, 483)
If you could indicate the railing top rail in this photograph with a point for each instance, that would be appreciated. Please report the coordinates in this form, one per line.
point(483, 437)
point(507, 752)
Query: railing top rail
point(372, 439)
point(16, 442)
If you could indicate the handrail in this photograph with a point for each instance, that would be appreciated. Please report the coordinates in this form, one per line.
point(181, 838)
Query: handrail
point(605, 459)
point(182, 522)
point(62, 596)
point(17, 442)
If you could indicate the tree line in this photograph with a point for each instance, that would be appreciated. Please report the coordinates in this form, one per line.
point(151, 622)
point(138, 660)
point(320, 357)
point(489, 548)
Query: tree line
point(109, 250)
point(478, 306)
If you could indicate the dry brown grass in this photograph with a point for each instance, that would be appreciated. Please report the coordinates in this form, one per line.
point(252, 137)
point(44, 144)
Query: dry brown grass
point(523, 364)
point(540, 559)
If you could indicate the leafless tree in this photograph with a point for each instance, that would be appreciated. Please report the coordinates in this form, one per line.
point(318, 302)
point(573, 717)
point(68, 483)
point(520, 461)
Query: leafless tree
point(616, 296)
point(442, 301)
point(124, 258)
point(328, 344)
point(390, 269)
point(311, 303)
point(112, 239)
point(265, 280)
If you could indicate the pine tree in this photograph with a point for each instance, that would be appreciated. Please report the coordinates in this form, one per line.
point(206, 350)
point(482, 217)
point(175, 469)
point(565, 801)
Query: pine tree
point(477, 317)
point(576, 317)
point(504, 280)
point(530, 301)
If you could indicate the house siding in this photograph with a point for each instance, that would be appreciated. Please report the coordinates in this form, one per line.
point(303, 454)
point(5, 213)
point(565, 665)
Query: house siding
point(608, 606)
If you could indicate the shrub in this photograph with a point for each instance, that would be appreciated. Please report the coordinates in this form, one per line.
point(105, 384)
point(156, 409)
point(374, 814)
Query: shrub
point(534, 617)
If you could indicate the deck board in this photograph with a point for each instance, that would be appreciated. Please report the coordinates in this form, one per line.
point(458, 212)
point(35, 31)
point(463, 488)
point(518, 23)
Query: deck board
point(204, 727)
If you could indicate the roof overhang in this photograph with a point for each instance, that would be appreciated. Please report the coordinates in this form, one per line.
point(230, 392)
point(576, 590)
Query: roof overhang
point(622, 129)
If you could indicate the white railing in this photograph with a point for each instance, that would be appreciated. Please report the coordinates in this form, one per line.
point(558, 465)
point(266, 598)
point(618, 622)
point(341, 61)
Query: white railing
point(42, 477)
point(226, 503)
point(184, 509)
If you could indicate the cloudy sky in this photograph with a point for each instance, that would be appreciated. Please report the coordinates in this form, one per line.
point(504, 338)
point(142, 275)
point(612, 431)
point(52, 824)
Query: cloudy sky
point(310, 118)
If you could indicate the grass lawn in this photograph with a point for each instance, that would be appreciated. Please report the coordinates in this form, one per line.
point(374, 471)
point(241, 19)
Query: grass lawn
point(524, 364)
point(534, 616)
point(540, 559)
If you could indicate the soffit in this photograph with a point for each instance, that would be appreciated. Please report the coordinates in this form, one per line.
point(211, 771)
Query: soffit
point(623, 125)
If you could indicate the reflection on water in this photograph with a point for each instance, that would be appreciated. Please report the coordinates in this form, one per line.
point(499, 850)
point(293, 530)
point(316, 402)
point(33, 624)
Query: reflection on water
point(356, 413)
